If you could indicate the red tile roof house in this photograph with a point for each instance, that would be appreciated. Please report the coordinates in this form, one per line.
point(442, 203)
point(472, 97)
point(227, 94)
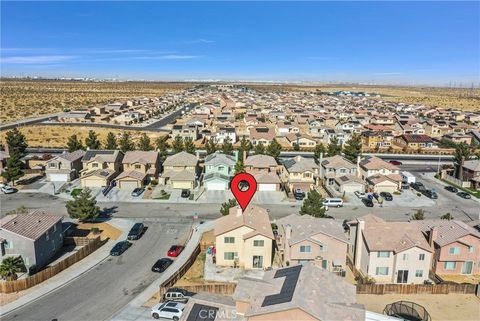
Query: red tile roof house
point(456, 245)
point(139, 167)
point(415, 141)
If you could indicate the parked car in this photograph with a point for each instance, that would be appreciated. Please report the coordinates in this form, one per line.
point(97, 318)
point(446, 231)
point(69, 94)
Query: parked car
point(136, 231)
point(386, 196)
point(376, 196)
point(464, 195)
point(395, 162)
point(138, 191)
point(335, 202)
point(345, 225)
point(360, 195)
point(162, 264)
point(368, 202)
point(185, 193)
point(168, 310)
point(430, 194)
point(177, 294)
point(119, 248)
point(298, 194)
point(175, 250)
point(8, 189)
point(418, 186)
point(451, 189)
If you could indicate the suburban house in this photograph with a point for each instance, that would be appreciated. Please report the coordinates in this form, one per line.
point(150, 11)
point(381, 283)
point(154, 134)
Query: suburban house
point(100, 167)
point(415, 141)
point(64, 167)
point(300, 140)
point(471, 173)
point(267, 181)
point(244, 239)
point(180, 171)
point(391, 252)
point(264, 135)
point(35, 236)
point(139, 167)
point(456, 246)
point(334, 167)
point(301, 173)
point(266, 172)
point(185, 131)
point(303, 238)
point(348, 184)
point(219, 169)
point(381, 176)
point(225, 132)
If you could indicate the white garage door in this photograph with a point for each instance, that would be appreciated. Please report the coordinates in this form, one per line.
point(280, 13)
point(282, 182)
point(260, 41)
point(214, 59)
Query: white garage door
point(128, 184)
point(386, 188)
point(180, 184)
point(216, 186)
point(58, 177)
point(93, 182)
point(267, 187)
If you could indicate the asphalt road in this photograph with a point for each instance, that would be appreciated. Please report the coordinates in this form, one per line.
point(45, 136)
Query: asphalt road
point(103, 291)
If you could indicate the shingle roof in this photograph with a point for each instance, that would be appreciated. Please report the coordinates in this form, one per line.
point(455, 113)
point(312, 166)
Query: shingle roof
point(32, 225)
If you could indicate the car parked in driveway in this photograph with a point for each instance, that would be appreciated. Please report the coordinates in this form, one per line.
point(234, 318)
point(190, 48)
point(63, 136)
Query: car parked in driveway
point(185, 193)
point(419, 187)
point(368, 202)
point(8, 189)
point(360, 195)
point(430, 194)
point(298, 194)
point(119, 248)
point(451, 189)
point(177, 294)
point(175, 250)
point(161, 265)
point(464, 195)
point(136, 231)
point(387, 196)
point(168, 310)
point(138, 191)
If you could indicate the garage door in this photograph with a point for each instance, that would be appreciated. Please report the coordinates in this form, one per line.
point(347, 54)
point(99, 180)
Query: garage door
point(353, 188)
point(58, 177)
point(128, 184)
point(180, 184)
point(216, 186)
point(386, 188)
point(93, 182)
point(267, 187)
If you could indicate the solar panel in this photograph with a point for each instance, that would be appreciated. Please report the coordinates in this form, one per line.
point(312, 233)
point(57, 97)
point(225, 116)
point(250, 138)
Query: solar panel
point(202, 312)
point(288, 288)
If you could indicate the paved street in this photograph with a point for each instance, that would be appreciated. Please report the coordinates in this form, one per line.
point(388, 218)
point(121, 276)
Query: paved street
point(111, 285)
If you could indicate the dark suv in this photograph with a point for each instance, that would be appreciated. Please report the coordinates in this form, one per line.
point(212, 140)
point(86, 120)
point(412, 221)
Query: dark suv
point(298, 194)
point(136, 231)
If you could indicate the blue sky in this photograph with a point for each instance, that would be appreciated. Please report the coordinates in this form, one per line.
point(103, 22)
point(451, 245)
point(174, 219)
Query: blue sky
point(383, 42)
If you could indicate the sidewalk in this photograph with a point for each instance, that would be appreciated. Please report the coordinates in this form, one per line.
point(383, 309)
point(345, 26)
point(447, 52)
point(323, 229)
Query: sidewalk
point(135, 309)
point(71, 273)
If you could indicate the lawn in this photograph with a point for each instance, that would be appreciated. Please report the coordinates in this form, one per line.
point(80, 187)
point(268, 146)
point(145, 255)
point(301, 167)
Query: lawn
point(165, 196)
point(466, 190)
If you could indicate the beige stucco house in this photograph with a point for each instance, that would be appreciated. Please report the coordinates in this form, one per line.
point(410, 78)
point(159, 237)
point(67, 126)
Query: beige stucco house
point(180, 171)
point(100, 167)
point(139, 167)
point(300, 173)
point(381, 176)
point(64, 167)
point(244, 238)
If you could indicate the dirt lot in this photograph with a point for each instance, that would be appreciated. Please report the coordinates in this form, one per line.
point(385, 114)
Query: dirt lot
point(441, 307)
point(107, 231)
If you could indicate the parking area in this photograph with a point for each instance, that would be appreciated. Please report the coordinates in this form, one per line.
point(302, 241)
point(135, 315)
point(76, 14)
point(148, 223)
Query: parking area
point(408, 197)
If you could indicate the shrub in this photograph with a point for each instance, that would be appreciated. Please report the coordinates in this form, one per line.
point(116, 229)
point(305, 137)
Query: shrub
point(419, 194)
point(95, 230)
point(154, 182)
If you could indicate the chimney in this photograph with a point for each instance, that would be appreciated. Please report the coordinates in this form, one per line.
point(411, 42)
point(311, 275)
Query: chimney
point(239, 211)
point(359, 243)
point(432, 236)
point(358, 166)
point(288, 231)
point(197, 153)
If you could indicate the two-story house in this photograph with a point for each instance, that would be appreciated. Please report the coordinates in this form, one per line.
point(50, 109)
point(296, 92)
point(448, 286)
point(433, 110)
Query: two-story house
point(100, 167)
point(36, 237)
point(180, 171)
point(219, 169)
point(64, 167)
point(415, 141)
point(303, 238)
point(302, 141)
point(334, 167)
point(300, 173)
point(185, 132)
point(471, 173)
point(224, 133)
point(244, 238)
point(380, 176)
point(139, 167)
point(266, 172)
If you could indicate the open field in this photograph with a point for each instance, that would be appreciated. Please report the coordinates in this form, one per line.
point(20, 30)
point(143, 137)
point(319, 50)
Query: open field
point(29, 98)
point(57, 136)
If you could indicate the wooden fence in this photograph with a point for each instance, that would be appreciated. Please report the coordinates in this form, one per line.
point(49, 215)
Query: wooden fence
point(89, 246)
point(444, 288)
point(219, 288)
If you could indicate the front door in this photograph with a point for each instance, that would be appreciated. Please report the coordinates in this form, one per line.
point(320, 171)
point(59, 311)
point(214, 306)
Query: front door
point(467, 267)
point(402, 276)
point(257, 262)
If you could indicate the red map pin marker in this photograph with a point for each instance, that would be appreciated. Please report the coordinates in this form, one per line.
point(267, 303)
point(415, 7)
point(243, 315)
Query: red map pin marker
point(243, 186)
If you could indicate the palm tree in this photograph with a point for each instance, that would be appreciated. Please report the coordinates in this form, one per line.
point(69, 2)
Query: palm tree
point(10, 266)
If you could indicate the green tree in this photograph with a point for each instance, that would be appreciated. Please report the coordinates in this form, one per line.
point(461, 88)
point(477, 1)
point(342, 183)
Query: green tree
point(111, 142)
point(162, 147)
point(245, 147)
point(16, 142)
point(319, 150)
point(296, 147)
point(462, 153)
point(274, 149)
point(227, 146)
point(334, 148)
point(144, 143)
point(126, 143)
point(211, 146)
point(259, 149)
point(74, 143)
point(313, 205)
point(239, 166)
point(419, 215)
point(92, 141)
point(225, 208)
point(189, 146)
point(353, 148)
point(83, 206)
point(13, 170)
point(177, 144)
point(447, 216)
point(10, 266)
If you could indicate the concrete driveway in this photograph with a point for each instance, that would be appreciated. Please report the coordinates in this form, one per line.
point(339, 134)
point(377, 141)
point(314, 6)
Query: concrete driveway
point(265, 197)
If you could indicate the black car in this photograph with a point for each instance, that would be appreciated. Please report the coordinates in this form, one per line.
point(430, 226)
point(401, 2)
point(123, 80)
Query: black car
point(464, 195)
point(119, 248)
point(161, 265)
point(368, 202)
point(299, 194)
point(451, 189)
point(418, 186)
point(376, 196)
point(430, 194)
point(185, 193)
point(386, 196)
point(136, 231)
point(138, 191)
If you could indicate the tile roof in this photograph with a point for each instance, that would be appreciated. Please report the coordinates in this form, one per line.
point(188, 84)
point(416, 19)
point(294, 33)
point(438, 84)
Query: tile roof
point(446, 231)
point(261, 161)
point(337, 161)
point(373, 162)
point(73, 156)
point(181, 159)
point(31, 225)
point(220, 158)
point(473, 165)
point(109, 156)
point(141, 157)
point(133, 174)
point(300, 164)
point(254, 217)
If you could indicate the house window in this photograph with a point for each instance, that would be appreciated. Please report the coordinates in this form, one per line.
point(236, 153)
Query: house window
point(450, 265)
point(305, 249)
point(95, 165)
point(343, 170)
point(381, 271)
point(220, 168)
point(52, 165)
point(258, 243)
point(421, 257)
point(229, 256)
point(471, 249)
point(405, 256)
point(454, 250)
point(229, 239)
point(307, 175)
point(138, 166)
point(9, 245)
point(323, 247)
point(383, 254)
point(419, 273)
